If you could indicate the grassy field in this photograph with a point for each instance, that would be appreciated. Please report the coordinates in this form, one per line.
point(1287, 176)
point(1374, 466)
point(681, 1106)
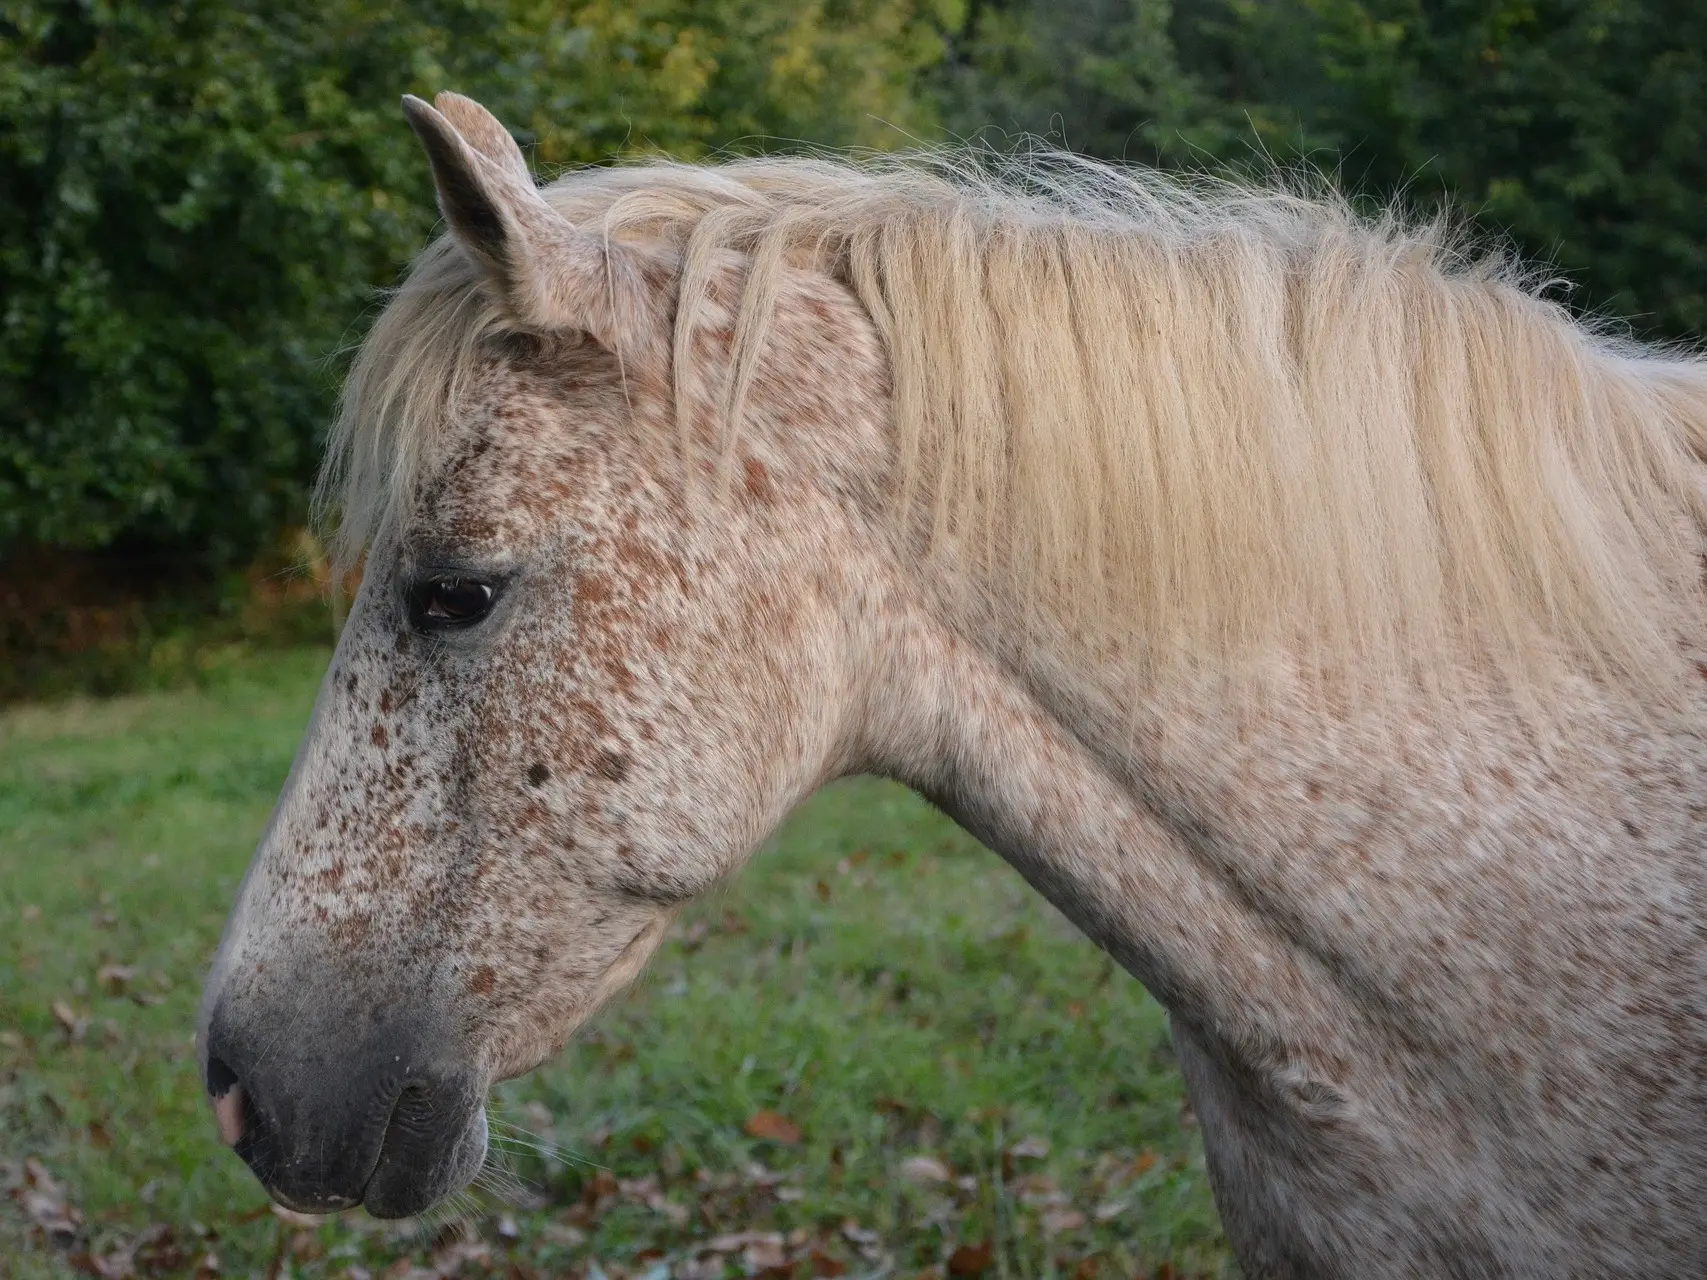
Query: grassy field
point(877, 1054)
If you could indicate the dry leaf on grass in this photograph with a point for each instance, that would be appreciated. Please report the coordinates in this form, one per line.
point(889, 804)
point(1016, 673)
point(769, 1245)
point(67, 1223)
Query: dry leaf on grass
point(646, 1191)
point(772, 1126)
point(1032, 1148)
point(45, 1203)
point(764, 1254)
point(114, 978)
point(1038, 1191)
point(925, 1169)
point(824, 1264)
point(1112, 1210)
point(971, 1259)
point(73, 1023)
point(563, 1235)
point(1055, 1221)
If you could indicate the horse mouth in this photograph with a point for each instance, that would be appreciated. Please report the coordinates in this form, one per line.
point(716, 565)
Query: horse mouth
point(419, 1160)
point(392, 1122)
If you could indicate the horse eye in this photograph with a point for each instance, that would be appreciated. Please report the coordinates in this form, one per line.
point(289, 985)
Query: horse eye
point(440, 604)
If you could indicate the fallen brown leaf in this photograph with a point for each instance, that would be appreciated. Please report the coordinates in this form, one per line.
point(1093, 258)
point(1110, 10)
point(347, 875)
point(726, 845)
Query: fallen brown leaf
point(1111, 1210)
point(563, 1235)
point(1032, 1148)
point(764, 1254)
point(825, 1265)
point(1055, 1221)
point(71, 1022)
point(971, 1259)
point(46, 1204)
point(772, 1126)
point(114, 978)
point(925, 1169)
point(157, 1251)
point(1039, 1191)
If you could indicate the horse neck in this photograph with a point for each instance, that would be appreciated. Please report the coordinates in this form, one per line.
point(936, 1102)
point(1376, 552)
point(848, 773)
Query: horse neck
point(967, 731)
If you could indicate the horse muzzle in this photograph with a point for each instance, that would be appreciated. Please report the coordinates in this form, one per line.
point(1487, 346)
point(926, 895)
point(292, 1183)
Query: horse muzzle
point(388, 1118)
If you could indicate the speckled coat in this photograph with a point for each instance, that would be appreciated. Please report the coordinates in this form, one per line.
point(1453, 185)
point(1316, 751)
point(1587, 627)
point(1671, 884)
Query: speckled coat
point(1436, 978)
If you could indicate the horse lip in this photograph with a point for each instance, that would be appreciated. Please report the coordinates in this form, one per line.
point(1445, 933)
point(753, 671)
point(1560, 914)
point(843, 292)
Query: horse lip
point(319, 1208)
point(462, 1156)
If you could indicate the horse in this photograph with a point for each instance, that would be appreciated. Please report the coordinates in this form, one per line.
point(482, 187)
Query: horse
point(1303, 600)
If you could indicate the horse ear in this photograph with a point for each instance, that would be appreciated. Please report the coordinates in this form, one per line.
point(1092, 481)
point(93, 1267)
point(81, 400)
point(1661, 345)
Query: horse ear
point(547, 274)
point(482, 130)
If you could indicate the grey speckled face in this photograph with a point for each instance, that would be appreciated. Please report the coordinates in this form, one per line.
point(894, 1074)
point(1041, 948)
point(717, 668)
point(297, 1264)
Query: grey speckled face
point(565, 703)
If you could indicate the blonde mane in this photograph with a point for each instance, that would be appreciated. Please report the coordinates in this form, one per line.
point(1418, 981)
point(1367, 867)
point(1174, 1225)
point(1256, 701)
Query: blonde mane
point(1189, 417)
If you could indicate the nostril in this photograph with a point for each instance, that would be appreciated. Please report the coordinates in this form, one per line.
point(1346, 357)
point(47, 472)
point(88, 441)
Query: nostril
point(228, 1101)
point(220, 1077)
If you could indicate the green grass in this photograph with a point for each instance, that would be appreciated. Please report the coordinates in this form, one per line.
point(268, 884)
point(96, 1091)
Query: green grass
point(876, 978)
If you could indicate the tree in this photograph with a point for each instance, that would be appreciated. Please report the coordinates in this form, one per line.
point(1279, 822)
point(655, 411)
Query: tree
point(1101, 77)
point(198, 201)
point(1576, 127)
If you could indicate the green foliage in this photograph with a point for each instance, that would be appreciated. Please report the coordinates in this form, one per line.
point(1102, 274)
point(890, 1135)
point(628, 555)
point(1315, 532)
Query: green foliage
point(1102, 77)
point(198, 200)
point(1578, 127)
point(688, 76)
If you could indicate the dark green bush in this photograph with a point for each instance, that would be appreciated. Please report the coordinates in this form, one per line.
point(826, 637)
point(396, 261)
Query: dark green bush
point(198, 200)
point(1576, 127)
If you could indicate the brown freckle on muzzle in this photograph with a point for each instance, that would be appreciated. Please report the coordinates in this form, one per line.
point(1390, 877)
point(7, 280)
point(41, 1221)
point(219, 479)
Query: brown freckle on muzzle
point(380, 736)
point(483, 980)
point(538, 774)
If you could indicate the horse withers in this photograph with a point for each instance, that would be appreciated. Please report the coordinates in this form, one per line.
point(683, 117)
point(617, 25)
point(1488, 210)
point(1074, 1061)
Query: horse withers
point(1306, 606)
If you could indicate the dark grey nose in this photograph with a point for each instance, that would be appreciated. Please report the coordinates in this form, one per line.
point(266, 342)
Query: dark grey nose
point(389, 1119)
